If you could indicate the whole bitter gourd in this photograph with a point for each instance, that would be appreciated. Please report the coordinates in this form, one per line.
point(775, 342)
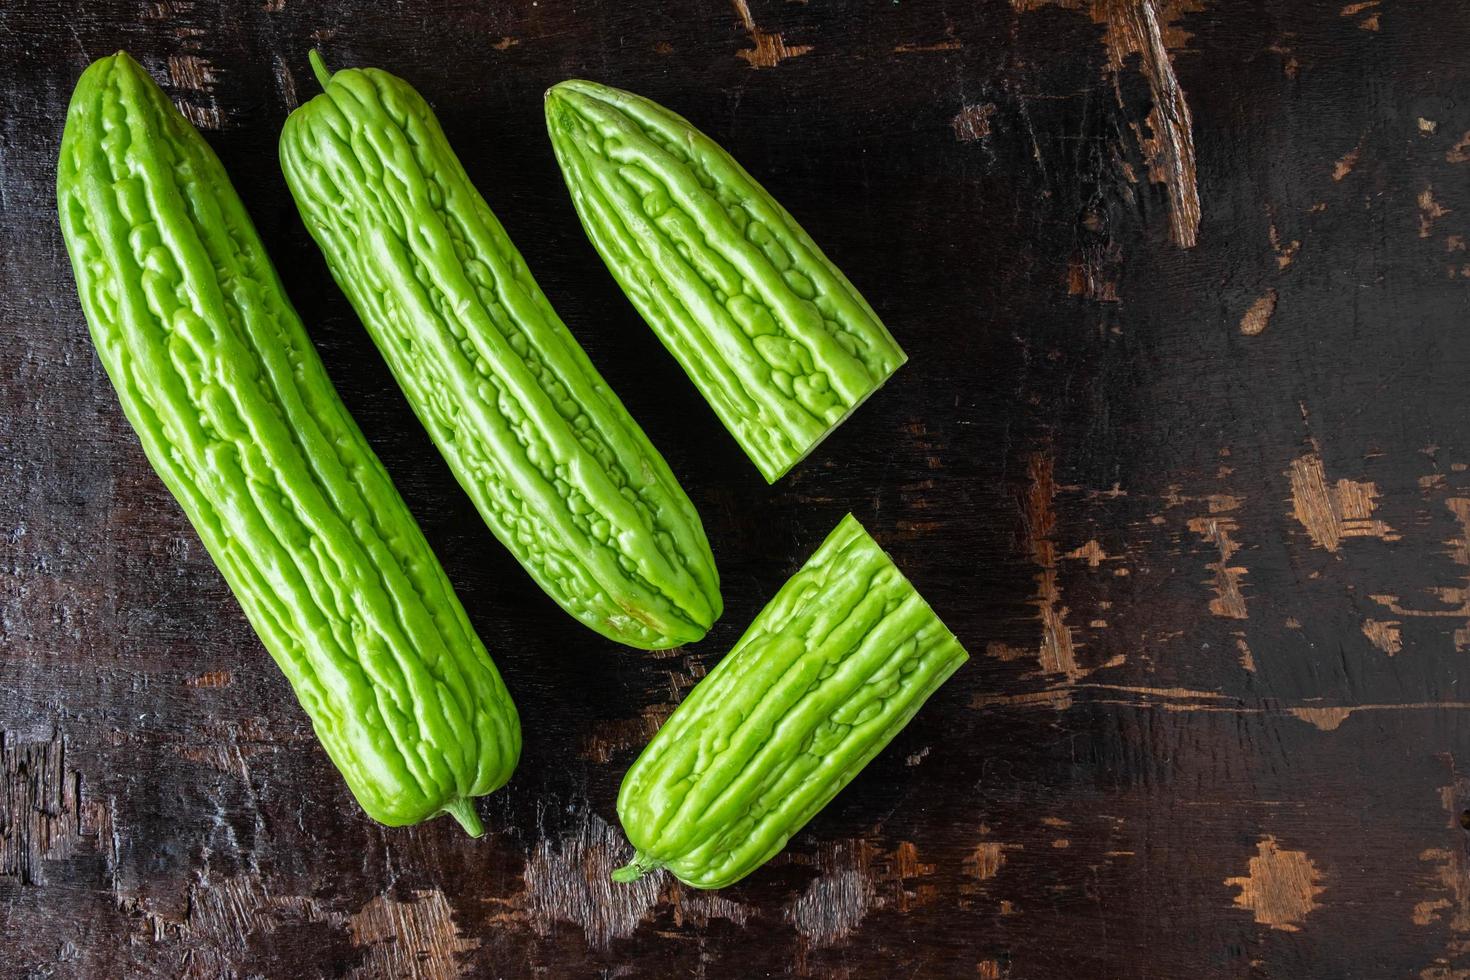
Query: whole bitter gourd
point(235, 412)
point(776, 339)
point(557, 467)
point(834, 666)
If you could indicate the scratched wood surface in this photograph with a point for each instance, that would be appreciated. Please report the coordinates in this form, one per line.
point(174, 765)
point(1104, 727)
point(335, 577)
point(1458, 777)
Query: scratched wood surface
point(1181, 455)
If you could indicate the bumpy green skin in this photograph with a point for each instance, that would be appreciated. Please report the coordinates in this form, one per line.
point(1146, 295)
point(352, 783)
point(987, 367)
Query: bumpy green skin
point(834, 666)
point(775, 337)
point(236, 413)
point(557, 467)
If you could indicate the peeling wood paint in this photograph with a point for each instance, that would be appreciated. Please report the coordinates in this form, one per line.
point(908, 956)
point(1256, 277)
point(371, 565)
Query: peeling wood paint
point(1285, 251)
point(1347, 162)
point(1093, 272)
point(699, 908)
point(1090, 552)
point(1057, 654)
point(1369, 22)
point(192, 73)
point(1457, 598)
point(1384, 634)
point(1460, 152)
point(1229, 601)
point(213, 678)
point(1247, 659)
point(41, 807)
point(1258, 316)
point(1280, 887)
point(195, 75)
point(221, 920)
point(1448, 878)
point(1006, 652)
point(569, 881)
point(952, 44)
point(416, 938)
point(1430, 211)
point(856, 878)
point(1328, 719)
point(986, 860)
point(1061, 699)
point(833, 906)
point(1134, 28)
point(972, 122)
point(1325, 717)
point(1459, 549)
point(1331, 513)
point(769, 49)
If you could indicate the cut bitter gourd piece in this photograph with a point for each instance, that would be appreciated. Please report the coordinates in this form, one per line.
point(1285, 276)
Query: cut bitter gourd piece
point(559, 470)
point(237, 415)
point(777, 340)
point(830, 671)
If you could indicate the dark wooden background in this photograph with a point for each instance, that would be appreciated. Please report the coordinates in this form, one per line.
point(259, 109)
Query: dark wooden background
point(1180, 454)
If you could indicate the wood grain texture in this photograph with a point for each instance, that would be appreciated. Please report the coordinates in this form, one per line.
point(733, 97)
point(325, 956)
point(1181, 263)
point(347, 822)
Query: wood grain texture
point(1182, 454)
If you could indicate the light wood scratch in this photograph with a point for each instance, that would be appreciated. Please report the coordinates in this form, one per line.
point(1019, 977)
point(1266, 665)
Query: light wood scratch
point(1280, 887)
point(1332, 513)
point(1326, 717)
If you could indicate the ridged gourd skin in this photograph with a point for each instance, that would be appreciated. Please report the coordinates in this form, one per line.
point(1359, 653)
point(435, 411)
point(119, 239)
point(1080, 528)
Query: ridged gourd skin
point(830, 671)
point(559, 470)
point(775, 337)
point(237, 415)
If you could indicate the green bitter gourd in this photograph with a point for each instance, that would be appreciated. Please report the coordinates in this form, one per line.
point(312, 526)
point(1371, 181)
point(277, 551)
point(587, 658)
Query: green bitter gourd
point(559, 470)
point(237, 415)
point(833, 667)
point(777, 340)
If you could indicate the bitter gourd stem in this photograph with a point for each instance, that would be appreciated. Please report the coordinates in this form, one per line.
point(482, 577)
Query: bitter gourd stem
point(463, 810)
point(319, 67)
point(634, 869)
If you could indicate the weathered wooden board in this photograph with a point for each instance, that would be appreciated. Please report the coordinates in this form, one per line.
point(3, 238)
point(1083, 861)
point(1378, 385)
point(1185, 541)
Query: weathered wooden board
point(1181, 455)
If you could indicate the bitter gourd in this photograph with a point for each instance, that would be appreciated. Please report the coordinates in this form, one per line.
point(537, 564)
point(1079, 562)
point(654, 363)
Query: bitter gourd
point(777, 340)
point(237, 415)
point(557, 467)
point(833, 667)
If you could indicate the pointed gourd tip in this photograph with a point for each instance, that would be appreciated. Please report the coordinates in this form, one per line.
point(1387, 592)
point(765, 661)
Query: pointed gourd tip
point(319, 67)
point(463, 811)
